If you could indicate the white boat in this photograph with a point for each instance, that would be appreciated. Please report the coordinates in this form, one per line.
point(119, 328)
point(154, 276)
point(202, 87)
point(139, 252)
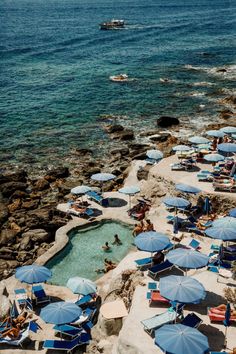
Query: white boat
point(119, 78)
point(113, 24)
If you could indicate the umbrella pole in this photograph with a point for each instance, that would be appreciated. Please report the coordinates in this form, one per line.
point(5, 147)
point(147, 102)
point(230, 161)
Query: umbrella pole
point(225, 341)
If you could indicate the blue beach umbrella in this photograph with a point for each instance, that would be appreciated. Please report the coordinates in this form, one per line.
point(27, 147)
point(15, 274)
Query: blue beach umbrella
point(227, 221)
point(60, 312)
point(198, 140)
point(187, 189)
point(176, 202)
point(81, 286)
point(228, 130)
point(180, 339)
point(102, 177)
point(224, 233)
point(181, 289)
point(181, 148)
point(129, 190)
point(227, 147)
point(232, 213)
point(188, 259)
point(80, 190)
point(215, 133)
point(154, 154)
point(33, 274)
point(214, 157)
point(233, 136)
point(151, 241)
point(203, 147)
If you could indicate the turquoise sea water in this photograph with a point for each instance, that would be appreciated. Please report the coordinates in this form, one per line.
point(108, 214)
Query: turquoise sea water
point(84, 252)
point(55, 65)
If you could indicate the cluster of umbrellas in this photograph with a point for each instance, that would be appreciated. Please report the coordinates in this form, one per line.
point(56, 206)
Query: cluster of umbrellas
point(58, 312)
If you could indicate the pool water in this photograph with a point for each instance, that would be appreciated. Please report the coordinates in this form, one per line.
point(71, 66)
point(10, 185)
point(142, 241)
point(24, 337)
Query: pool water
point(84, 252)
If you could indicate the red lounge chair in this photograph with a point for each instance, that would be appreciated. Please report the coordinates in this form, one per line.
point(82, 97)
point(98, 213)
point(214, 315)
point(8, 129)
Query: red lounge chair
point(216, 315)
point(157, 298)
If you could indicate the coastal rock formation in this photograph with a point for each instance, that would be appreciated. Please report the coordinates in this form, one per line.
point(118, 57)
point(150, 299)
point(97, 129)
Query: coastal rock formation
point(167, 121)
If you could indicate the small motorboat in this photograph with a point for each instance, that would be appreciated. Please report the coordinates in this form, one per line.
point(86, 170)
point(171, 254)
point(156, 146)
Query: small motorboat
point(119, 78)
point(113, 24)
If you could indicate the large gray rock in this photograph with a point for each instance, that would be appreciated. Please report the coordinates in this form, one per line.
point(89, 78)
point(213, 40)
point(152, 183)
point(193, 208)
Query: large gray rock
point(37, 235)
point(3, 213)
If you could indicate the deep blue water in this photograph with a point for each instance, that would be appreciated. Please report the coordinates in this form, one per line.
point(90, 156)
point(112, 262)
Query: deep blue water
point(55, 65)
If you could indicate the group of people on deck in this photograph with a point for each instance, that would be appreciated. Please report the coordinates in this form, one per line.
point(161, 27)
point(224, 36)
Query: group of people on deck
point(13, 326)
point(143, 226)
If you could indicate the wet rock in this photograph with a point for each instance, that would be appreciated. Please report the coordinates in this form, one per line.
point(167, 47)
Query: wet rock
point(126, 134)
point(9, 188)
point(150, 132)
point(160, 138)
point(226, 114)
point(114, 128)
point(60, 172)
point(20, 176)
point(7, 237)
point(122, 151)
point(167, 121)
point(42, 184)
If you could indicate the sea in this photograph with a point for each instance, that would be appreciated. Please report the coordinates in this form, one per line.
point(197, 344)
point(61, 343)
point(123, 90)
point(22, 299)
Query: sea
point(55, 64)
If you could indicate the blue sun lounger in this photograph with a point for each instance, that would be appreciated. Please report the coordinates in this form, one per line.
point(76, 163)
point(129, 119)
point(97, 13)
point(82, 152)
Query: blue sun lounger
point(16, 342)
point(84, 300)
point(97, 198)
point(40, 295)
point(22, 298)
point(157, 269)
point(143, 262)
point(67, 330)
point(192, 320)
point(152, 323)
point(67, 345)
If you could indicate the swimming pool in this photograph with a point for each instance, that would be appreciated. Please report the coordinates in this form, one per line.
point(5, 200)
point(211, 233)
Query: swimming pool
point(84, 252)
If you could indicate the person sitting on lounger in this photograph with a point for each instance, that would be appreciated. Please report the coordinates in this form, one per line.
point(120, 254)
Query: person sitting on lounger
point(149, 226)
point(12, 333)
point(138, 228)
point(79, 209)
point(158, 258)
point(116, 241)
point(200, 226)
point(106, 247)
point(20, 319)
point(223, 307)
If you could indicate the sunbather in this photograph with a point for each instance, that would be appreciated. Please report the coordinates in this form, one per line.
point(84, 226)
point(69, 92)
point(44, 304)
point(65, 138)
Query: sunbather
point(158, 258)
point(79, 209)
point(20, 319)
point(149, 226)
point(12, 333)
point(138, 228)
point(222, 308)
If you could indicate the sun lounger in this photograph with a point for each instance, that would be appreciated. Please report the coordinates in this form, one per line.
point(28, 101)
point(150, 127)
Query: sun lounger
point(157, 269)
point(39, 294)
point(84, 300)
point(22, 298)
point(152, 323)
point(191, 243)
point(87, 326)
point(216, 315)
point(67, 345)
point(24, 335)
point(177, 167)
point(192, 320)
point(144, 262)
point(155, 297)
point(67, 330)
point(97, 198)
point(86, 213)
point(224, 187)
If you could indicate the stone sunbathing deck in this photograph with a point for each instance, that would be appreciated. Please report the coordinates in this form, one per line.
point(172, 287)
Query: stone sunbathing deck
point(132, 338)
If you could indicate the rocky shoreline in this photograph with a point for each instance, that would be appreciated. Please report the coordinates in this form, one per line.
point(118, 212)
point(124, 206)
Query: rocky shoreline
point(28, 215)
